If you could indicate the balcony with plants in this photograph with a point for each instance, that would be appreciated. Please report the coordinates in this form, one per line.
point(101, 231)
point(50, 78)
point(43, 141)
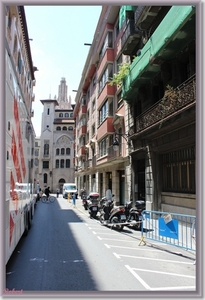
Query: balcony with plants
point(175, 101)
point(175, 31)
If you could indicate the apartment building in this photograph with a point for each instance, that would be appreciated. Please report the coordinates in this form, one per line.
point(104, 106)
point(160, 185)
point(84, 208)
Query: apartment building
point(19, 97)
point(150, 117)
point(55, 146)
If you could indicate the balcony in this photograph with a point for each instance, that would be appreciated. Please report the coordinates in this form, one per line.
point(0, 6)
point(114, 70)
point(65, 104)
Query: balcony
point(176, 30)
point(107, 57)
point(130, 38)
point(81, 151)
point(105, 127)
point(82, 130)
point(106, 91)
point(175, 102)
point(82, 110)
point(110, 156)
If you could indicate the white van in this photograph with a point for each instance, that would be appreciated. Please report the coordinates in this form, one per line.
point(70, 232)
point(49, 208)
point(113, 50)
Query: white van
point(69, 188)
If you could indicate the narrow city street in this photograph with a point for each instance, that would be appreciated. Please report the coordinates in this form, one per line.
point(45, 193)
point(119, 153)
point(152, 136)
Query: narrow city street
point(65, 250)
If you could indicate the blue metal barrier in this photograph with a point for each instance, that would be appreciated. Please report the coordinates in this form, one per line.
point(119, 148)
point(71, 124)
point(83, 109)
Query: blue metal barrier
point(170, 228)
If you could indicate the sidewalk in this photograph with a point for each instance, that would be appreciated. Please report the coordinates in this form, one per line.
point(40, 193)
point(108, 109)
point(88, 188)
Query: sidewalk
point(148, 242)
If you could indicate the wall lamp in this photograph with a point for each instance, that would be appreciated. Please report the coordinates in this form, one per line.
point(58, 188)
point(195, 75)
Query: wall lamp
point(116, 143)
point(77, 168)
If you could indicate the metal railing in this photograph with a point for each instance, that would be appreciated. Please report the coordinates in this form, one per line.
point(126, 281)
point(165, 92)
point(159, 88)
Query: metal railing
point(170, 228)
point(174, 102)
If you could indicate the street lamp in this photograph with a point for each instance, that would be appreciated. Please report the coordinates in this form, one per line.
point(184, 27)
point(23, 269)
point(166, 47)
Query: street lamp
point(116, 141)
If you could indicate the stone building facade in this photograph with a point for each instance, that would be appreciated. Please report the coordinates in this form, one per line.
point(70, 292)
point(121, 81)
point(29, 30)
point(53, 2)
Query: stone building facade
point(56, 151)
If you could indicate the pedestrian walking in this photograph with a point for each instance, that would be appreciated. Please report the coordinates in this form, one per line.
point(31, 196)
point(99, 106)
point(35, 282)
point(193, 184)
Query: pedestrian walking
point(108, 194)
point(74, 199)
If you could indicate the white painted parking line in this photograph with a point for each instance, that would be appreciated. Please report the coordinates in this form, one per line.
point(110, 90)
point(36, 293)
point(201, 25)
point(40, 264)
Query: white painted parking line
point(123, 241)
point(156, 259)
point(133, 248)
point(146, 286)
point(165, 273)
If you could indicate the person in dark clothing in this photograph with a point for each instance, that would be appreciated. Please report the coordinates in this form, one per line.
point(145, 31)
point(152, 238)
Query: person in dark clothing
point(47, 191)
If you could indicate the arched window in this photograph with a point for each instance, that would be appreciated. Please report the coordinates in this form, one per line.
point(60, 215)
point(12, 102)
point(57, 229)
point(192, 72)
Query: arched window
point(70, 128)
point(60, 115)
point(45, 177)
point(62, 151)
point(58, 128)
point(67, 163)
point(57, 163)
point(71, 115)
point(67, 151)
point(62, 163)
point(36, 152)
point(46, 149)
point(66, 115)
point(64, 128)
point(36, 162)
point(57, 151)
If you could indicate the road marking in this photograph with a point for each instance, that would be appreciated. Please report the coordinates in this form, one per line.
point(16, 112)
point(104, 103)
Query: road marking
point(166, 273)
point(123, 241)
point(160, 288)
point(156, 259)
point(133, 248)
point(145, 285)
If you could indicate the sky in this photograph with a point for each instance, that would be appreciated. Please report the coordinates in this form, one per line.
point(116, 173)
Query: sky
point(58, 35)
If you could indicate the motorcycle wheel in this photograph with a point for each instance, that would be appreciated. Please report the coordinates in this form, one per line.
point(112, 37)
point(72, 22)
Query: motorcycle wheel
point(135, 218)
point(102, 219)
point(114, 220)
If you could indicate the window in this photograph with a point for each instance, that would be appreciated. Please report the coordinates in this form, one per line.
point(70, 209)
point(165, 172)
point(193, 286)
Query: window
point(70, 128)
point(62, 163)
point(45, 178)
point(93, 129)
point(48, 111)
point(179, 171)
point(57, 163)
point(106, 76)
point(66, 115)
point(57, 151)
point(93, 105)
point(103, 113)
point(45, 164)
point(58, 128)
point(67, 151)
point(36, 144)
point(19, 63)
point(67, 163)
point(71, 115)
point(119, 100)
point(103, 146)
point(60, 115)
point(64, 128)
point(46, 149)
point(62, 151)
point(106, 44)
point(36, 152)
point(36, 162)
point(15, 45)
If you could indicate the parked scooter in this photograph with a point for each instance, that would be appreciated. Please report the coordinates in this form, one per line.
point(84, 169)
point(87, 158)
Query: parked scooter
point(134, 214)
point(93, 202)
point(84, 201)
point(113, 216)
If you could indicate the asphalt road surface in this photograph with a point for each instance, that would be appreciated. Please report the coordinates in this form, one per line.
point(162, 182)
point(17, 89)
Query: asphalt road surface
point(66, 251)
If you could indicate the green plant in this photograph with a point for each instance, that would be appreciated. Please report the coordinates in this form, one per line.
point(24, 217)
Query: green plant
point(120, 75)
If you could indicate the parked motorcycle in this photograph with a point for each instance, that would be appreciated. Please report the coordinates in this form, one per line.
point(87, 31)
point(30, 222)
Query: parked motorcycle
point(134, 214)
point(113, 216)
point(93, 204)
point(84, 201)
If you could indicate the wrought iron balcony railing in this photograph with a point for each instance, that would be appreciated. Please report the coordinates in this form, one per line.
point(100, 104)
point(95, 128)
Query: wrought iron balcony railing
point(174, 101)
